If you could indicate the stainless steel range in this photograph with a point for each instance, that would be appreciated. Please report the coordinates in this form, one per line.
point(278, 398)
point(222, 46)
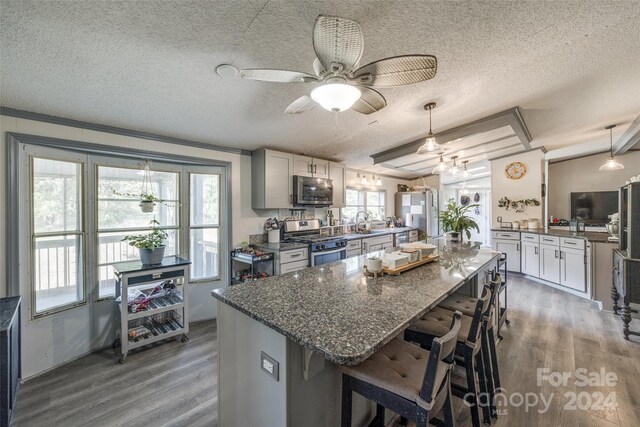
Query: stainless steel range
point(322, 249)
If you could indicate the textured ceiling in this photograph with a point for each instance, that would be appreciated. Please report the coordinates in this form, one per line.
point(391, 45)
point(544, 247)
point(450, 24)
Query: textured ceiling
point(572, 67)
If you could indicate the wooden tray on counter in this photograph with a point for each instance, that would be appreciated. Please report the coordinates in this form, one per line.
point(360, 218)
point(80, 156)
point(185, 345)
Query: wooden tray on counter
point(406, 267)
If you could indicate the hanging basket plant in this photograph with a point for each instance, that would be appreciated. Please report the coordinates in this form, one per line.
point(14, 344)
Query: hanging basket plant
point(147, 200)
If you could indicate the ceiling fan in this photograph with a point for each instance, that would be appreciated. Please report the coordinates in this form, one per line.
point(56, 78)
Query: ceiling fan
point(338, 45)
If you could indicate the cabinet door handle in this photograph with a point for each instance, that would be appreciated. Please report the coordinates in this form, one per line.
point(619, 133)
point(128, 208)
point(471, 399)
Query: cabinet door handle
point(536, 250)
point(556, 253)
point(561, 257)
point(570, 243)
point(517, 247)
point(295, 255)
point(315, 168)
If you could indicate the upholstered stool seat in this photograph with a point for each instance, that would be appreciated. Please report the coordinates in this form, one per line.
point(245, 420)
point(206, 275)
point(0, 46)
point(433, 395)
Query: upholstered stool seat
point(437, 322)
point(464, 304)
point(397, 367)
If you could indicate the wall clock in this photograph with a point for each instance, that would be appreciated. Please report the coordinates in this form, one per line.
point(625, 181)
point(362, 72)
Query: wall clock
point(515, 170)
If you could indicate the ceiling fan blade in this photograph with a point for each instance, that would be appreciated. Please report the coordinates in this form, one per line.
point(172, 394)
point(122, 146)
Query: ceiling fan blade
point(397, 71)
point(370, 101)
point(278, 76)
point(338, 42)
point(300, 105)
point(318, 68)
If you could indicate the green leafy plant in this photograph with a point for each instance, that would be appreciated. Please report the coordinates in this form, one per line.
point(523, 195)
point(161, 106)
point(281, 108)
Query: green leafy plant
point(153, 240)
point(454, 218)
point(517, 205)
point(144, 197)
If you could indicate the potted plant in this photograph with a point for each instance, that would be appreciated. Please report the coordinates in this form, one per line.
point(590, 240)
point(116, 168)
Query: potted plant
point(455, 221)
point(147, 200)
point(151, 246)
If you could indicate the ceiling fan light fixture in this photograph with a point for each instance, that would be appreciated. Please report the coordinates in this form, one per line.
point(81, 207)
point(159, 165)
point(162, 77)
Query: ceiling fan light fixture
point(336, 95)
point(611, 164)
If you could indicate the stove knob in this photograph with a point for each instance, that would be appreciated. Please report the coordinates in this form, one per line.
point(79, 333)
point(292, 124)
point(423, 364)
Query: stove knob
point(321, 246)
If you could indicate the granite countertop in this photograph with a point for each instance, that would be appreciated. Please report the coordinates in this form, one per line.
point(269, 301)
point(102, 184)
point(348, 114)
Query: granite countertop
point(279, 247)
point(334, 310)
point(591, 236)
point(8, 310)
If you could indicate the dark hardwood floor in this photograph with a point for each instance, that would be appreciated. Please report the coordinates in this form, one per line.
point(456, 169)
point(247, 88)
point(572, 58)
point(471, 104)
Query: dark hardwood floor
point(175, 384)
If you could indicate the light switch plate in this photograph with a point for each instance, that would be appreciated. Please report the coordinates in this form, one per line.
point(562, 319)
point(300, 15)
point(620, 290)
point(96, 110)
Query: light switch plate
point(270, 365)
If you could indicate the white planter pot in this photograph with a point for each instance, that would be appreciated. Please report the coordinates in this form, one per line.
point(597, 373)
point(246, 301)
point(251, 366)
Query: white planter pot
point(152, 256)
point(147, 207)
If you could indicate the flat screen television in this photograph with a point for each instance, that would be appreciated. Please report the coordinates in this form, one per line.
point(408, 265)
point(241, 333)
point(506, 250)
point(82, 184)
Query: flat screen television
point(594, 207)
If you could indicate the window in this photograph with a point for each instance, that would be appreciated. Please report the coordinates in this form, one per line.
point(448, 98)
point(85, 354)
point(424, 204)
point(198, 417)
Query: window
point(119, 216)
point(80, 213)
point(204, 225)
point(57, 235)
point(371, 202)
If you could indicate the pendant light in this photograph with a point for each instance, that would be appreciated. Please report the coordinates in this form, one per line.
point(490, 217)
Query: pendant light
point(465, 172)
point(454, 167)
point(363, 180)
point(611, 164)
point(441, 168)
point(377, 180)
point(430, 143)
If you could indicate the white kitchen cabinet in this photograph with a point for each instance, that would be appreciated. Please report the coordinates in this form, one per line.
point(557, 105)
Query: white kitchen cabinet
point(512, 249)
point(377, 243)
point(354, 248)
point(271, 182)
point(573, 269)
point(550, 263)
point(530, 261)
point(308, 166)
point(337, 173)
point(320, 168)
point(292, 260)
point(302, 165)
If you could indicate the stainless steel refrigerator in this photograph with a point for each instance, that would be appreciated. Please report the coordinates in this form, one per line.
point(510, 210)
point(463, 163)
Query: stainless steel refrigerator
point(419, 209)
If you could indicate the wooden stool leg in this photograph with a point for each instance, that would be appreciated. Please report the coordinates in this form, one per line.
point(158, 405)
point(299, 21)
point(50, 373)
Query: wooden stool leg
point(488, 372)
point(422, 420)
point(448, 410)
point(346, 401)
point(494, 359)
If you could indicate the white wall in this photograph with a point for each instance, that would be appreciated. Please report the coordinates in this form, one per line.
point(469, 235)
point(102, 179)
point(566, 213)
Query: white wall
point(582, 175)
point(527, 187)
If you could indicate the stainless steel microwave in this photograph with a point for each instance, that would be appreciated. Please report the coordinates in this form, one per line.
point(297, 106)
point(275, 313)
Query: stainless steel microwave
point(308, 191)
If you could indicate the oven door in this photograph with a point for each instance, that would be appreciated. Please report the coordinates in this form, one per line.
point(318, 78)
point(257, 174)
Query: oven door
point(309, 191)
point(325, 257)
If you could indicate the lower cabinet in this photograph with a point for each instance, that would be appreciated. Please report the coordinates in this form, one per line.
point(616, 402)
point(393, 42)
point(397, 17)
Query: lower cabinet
point(377, 243)
point(512, 249)
point(354, 248)
point(530, 263)
point(550, 263)
point(292, 260)
point(573, 269)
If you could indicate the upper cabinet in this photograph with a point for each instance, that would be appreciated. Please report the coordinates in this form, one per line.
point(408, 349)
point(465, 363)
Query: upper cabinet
point(307, 166)
point(271, 182)
point(337, 173)
point(272, 178)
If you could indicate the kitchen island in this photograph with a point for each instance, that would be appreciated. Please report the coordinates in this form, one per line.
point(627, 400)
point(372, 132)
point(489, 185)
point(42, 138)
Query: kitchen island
point(309, 321)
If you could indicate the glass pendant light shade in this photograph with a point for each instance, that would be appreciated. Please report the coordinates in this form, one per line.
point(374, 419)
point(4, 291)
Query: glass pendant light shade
point(364, 180)
point(612, 164)
point(430, 143)
point(378, 181)
point(465, 172)
point(441, 168)
point(335, 95)
point(454, 167)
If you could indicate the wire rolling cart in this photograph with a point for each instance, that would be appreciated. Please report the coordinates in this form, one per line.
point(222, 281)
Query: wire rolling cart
point(256, 266)
point(153, 303)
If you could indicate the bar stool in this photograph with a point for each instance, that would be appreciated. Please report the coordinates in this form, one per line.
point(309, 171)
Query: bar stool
point(468, 346)
point(465, 305)
point(412, 382)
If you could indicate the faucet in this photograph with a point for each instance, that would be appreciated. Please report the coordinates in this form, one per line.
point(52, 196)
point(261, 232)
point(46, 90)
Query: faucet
point(364, 220)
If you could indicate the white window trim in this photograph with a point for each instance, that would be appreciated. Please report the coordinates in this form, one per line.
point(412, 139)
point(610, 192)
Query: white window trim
point(364, 205)
point(90, 163)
